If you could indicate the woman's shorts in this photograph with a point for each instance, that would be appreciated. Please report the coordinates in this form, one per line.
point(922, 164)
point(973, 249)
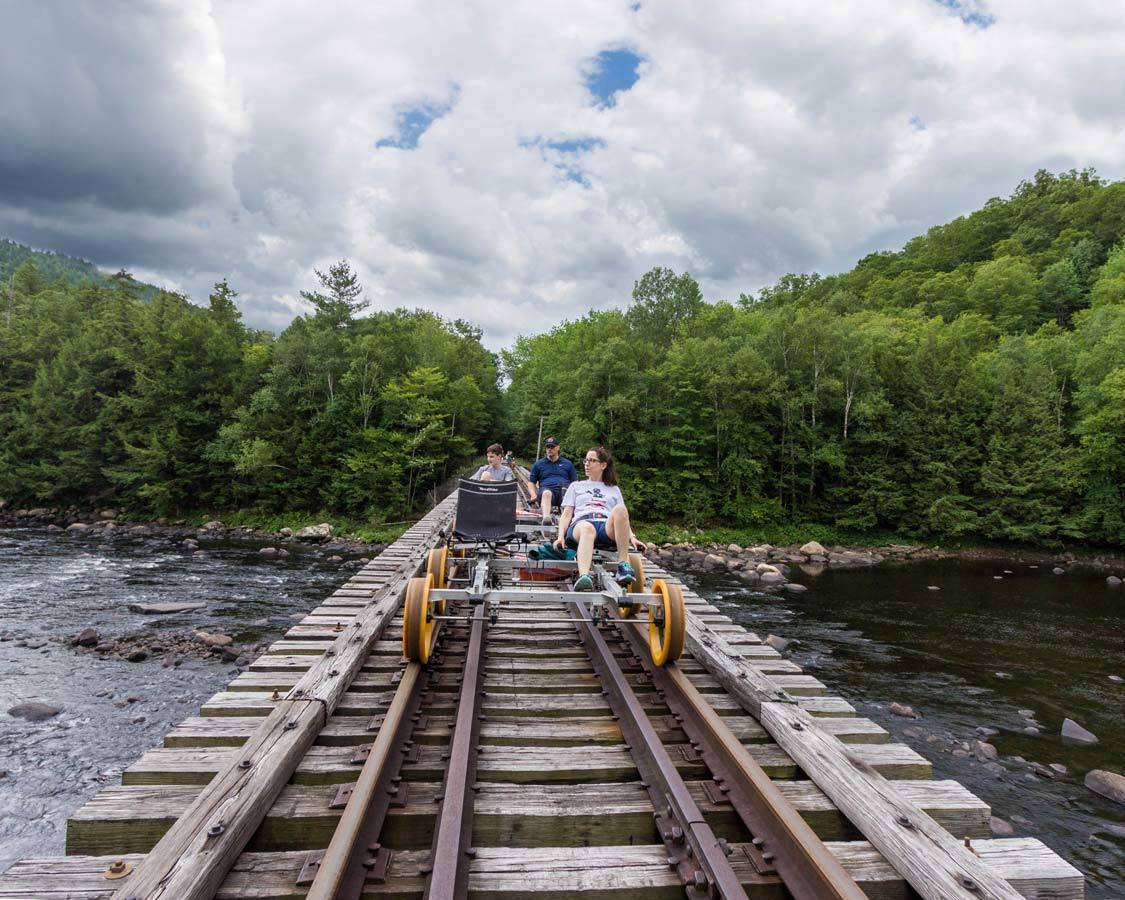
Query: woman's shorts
point(602, 539)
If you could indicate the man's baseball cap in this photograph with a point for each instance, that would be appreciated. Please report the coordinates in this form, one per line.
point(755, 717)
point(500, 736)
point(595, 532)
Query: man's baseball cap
point(551, 442)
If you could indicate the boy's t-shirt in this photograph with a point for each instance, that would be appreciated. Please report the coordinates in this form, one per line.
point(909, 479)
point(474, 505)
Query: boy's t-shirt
point(501, 474)
point(551, 475)
point(592, 499)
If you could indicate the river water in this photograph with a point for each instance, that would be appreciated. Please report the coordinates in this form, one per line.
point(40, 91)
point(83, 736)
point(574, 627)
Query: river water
point(978, 653)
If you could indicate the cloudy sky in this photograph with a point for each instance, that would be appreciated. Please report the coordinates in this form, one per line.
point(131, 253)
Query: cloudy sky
point(517, 163)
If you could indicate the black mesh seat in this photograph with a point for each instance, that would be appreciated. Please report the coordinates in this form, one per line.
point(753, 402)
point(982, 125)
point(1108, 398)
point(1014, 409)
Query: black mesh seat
point(486, 511)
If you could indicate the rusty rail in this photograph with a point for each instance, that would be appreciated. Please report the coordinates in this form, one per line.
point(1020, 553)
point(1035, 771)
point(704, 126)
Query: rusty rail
point(449, 862)
point(353, 854)
point(782, 841)
point(699, 857)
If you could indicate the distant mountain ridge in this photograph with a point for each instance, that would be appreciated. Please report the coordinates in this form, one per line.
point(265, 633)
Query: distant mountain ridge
point(53, 266)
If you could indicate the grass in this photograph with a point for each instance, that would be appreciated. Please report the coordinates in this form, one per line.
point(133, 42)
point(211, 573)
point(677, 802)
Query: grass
point(342, 527)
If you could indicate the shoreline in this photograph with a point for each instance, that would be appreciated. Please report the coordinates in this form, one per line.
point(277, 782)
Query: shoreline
point(761, 564)
point(106, 522)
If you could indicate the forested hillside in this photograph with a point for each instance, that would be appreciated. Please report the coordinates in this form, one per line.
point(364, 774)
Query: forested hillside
point(971, 385)
point(58, 266)
point(162, 407)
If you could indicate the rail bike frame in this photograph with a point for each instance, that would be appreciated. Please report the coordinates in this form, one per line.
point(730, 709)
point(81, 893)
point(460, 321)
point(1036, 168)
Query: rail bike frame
point(484, 564)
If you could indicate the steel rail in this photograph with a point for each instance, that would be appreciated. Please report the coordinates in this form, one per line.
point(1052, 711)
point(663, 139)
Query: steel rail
point(448, 878)
point(352, 852)
point(783, 842)
point(698, 856)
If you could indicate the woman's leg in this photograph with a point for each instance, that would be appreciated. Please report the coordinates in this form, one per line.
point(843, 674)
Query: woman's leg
point(619, 530)
point(585, 534)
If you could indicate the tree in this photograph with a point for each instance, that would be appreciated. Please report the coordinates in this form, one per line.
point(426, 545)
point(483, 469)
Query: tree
point(1060, 294)
point(662, 303)
point(1004, 290)
point(342, 302)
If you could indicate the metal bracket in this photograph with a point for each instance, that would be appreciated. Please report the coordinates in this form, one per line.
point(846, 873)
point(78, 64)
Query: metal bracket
point(691, 754)
point(360, 756)
point(342, 796)
point(379, 863)
point(715, 793)
point(401, 796)
point(758, 858)
point(310, 868)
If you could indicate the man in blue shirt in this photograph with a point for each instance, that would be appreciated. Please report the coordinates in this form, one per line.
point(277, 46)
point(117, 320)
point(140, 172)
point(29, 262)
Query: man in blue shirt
point(550, 477)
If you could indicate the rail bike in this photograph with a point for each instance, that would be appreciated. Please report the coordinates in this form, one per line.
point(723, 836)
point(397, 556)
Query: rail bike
point(484, 560)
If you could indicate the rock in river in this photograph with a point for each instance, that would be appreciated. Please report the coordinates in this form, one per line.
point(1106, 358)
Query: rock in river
point(1108, 784)
point(1000, 828)
point(315, 533)
point(214, 640)
point(162, 608)
point(1072, 731)
point(34, 712)
point(901, 709)
point(87, 637)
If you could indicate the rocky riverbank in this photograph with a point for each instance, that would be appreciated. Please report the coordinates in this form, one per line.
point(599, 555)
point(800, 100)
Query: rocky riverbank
point(172, 646)
point(107, 524)
point(769, 568)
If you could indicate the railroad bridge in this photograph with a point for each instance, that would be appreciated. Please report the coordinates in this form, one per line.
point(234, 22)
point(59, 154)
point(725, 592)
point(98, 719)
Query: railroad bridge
point(541, 744)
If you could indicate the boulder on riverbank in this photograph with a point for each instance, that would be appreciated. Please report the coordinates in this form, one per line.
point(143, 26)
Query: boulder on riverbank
point(87, 637)
point(1072, 731)
point(1109, 784)
point(314, 534)
point(214, 639)
point(34, 712)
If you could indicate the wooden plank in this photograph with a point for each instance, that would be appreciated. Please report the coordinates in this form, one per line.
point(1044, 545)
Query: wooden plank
point(331, 764)
point(130, 819)
point(595, 873)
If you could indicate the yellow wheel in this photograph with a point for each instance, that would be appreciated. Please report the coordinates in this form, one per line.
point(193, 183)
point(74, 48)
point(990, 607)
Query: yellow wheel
point(435, 567)
point(417, 620)
point(637, 587)
point(667, 631)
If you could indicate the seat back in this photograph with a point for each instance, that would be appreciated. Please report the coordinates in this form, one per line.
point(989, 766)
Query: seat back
point(486, 511)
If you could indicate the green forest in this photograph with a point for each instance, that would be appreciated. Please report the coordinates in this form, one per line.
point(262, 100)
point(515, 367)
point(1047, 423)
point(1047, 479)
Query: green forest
point(969, 386)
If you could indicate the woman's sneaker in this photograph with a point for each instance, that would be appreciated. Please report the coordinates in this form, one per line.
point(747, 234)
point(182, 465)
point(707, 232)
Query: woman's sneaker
point(584, 583)
point(625, 575)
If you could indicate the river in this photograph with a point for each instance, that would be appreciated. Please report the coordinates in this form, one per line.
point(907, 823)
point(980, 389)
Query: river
point(978, 653)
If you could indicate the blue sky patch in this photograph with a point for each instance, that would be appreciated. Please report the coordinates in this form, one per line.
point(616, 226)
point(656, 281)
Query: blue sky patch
point(564, 154)
point(414, 120)
point(971, 12)
point(917, 123)
point(613, 72)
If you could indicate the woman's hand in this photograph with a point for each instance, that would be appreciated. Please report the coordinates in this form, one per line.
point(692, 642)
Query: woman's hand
point(560, 543)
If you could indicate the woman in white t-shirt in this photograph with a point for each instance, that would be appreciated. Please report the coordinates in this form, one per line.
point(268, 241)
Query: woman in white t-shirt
point(594, 515)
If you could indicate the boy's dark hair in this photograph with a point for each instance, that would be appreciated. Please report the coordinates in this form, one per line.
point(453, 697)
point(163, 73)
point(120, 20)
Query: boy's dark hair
point(495, 448)
point(610, 475)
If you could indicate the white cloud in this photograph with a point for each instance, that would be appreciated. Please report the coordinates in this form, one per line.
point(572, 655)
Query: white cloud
point(238, 140)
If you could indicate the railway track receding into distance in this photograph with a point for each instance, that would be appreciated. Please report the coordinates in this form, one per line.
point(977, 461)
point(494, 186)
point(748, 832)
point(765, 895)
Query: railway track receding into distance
point(538, 752)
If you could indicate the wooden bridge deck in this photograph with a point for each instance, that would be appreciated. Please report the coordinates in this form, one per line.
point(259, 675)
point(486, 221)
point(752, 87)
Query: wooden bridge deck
point(558, 810)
